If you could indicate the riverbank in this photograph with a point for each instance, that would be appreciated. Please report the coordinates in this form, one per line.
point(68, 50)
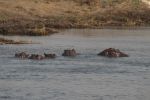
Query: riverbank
point(45, 17)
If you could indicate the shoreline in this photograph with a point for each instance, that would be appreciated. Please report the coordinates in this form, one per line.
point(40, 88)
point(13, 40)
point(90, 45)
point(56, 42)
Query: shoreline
point(55, 31)
point(47, 17)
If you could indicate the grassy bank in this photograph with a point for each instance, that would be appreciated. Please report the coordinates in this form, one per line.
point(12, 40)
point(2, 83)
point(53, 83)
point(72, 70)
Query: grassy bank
point(41, 17)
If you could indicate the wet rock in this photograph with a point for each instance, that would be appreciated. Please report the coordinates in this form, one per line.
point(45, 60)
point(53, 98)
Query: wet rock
point(51, 56)
point(112, 52)
point(22, 55)
point(36, 57)
point(70, 53)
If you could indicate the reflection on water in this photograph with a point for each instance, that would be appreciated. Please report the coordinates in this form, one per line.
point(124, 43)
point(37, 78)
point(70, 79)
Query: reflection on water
point(86, 77)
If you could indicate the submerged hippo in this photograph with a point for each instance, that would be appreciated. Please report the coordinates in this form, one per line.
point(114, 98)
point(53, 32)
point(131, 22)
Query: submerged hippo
point(50, 55)
point(22, 55)
point(112, 52)
point(36, 57)
point(70, 53)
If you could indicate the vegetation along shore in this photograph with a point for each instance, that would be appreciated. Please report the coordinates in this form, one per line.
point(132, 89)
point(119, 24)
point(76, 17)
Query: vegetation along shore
point(45, 17)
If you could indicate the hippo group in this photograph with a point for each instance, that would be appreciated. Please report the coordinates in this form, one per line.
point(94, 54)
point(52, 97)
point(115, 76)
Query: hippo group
point(24, 55)
point(110, 52)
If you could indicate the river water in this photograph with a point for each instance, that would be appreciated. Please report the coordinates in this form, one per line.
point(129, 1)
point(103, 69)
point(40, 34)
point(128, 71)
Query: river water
point(85, 77)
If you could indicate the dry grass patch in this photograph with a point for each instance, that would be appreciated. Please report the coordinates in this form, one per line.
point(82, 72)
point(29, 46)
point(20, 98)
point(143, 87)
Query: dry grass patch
point(23, 16)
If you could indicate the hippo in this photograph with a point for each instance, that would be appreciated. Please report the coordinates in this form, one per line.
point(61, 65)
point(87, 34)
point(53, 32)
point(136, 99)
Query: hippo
point(112, 52)
point(22, 55)
point(36, 57)
point(50, 55)
point(70, 53)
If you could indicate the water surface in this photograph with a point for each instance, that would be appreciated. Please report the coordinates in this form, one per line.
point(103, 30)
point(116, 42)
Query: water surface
point(86, 77)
